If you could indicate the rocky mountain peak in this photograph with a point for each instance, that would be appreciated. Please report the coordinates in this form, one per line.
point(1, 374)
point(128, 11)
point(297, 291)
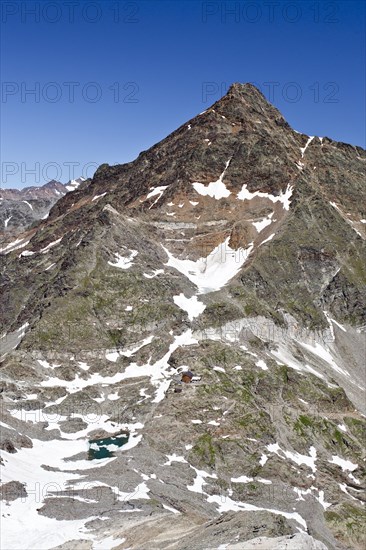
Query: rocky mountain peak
point(245, 93)
point(241, 129)
point(53, 184)
point(244, 103)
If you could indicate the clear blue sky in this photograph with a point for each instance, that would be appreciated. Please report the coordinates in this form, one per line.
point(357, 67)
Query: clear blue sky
point(152, 65)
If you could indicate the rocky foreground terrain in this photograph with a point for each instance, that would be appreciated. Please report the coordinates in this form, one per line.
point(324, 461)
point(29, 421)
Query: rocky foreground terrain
point(235, 249)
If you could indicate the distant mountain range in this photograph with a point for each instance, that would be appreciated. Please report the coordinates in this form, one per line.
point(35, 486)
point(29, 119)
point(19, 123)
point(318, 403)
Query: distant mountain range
point(20, 208)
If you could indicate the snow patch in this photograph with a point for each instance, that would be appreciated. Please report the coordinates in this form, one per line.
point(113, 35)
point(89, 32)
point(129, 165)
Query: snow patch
point(346, 465)
point(113, 355)
point(174, 458)
point(284, 198)
point(192, 306)
point(263, 223)
point(261, 364)
point(211, 273)
point(245, 479)
point(227, 505)
point(171, 509)
point(26, 253)
point(215, 189)
point(124, 262)
point(294, 456)
point(153, 274)
point(199, 481)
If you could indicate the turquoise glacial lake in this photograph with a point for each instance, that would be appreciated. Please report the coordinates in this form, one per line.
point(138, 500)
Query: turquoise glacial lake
point(106, 446)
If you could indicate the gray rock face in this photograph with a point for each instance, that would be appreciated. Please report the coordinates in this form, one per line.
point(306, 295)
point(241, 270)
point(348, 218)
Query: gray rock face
point(12, 490)
point(235, 249)
point(18, 215)
point(299, 541)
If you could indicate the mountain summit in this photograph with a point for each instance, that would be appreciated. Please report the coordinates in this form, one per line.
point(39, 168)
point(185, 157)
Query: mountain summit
point(208, 300)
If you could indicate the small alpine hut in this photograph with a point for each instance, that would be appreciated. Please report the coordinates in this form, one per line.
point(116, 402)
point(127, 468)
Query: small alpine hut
point(187, 376)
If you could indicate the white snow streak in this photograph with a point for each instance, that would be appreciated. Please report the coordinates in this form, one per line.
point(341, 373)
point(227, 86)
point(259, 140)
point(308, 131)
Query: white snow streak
point(49, 246)
point(303, 149)
point(98, 196)
point(28, 203)
point(156, 191)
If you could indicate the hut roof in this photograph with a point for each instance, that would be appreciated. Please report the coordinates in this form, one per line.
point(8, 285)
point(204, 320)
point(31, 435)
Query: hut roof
point(187, 373)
